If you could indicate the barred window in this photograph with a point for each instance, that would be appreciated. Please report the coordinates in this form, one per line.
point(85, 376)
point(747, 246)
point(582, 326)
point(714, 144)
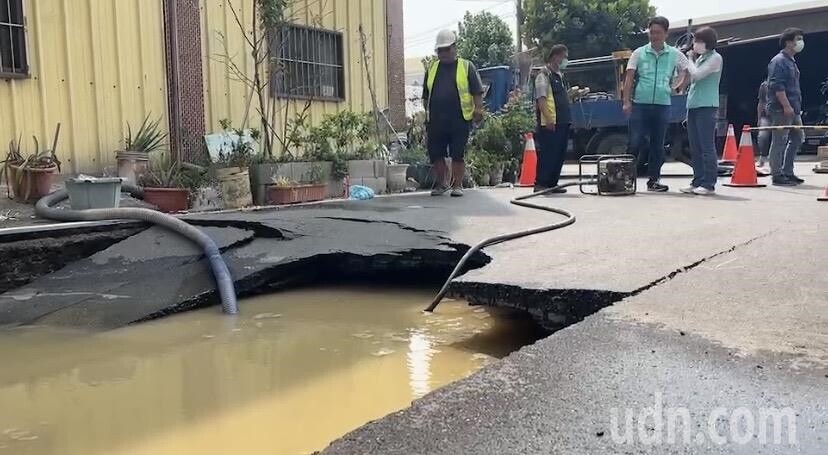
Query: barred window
point(310, 64)
point(12, 40)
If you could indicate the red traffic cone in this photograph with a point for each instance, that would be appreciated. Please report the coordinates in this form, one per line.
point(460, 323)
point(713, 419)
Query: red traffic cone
point(744, 174)
point(730, 153)
point(824, 196)
point(529, 171)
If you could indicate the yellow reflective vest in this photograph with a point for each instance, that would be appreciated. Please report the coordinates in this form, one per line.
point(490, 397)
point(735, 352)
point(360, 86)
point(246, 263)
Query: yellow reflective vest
point(466, 99)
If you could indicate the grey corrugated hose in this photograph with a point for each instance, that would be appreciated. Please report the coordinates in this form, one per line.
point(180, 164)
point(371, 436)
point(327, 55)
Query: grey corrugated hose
point(45, 209)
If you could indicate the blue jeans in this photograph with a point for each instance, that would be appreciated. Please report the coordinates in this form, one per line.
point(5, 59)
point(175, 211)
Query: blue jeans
point(785, 145)
point(551, 154)
point(649, 120)
point(701, 130)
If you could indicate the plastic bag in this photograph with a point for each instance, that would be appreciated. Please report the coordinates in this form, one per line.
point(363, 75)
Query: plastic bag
point(361, 193)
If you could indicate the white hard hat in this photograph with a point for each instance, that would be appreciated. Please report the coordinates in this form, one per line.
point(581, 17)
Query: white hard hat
point(445, 38)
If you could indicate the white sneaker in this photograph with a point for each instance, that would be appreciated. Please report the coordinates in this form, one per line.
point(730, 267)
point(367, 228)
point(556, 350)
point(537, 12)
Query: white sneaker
point(703, 192)
point(688, 190)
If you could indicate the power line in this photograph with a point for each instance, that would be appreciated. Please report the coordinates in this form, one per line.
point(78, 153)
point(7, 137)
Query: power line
point(416, 42)
point(429, 32)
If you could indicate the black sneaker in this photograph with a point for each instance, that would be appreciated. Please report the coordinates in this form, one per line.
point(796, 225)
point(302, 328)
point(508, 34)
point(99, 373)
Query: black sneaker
point(656, 187)
point(795, 179)
point(540, 188)
point(783, 181)
point(557, 191)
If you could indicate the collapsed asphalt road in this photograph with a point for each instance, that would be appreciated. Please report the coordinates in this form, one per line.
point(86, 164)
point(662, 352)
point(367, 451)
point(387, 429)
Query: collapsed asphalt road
point(716, 302)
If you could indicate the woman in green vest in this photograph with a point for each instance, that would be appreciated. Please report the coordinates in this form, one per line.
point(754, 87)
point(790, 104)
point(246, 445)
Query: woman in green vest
point(705, 70)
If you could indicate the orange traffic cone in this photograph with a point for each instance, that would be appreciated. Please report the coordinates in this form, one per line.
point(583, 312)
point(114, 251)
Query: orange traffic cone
point(730, 153)
point(744, 174)
point(529, 172)
point(824, 197)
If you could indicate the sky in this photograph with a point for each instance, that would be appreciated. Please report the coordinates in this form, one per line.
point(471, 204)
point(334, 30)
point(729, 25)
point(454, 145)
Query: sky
point(424, 18)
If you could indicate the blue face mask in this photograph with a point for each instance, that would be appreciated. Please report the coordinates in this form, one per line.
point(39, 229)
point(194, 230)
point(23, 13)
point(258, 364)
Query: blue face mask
point(564, 63)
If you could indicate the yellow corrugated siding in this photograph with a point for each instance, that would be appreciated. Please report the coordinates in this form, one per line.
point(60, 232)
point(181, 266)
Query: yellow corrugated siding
point(94, 65)
point(227, 98)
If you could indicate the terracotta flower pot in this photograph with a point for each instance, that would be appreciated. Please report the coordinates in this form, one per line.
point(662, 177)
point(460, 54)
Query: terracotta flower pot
point(31, 184)
point(280, 195)
point(169, 200)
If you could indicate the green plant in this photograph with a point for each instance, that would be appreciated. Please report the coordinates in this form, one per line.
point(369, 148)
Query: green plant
point(163, 172)
point(518, 118)
point(491, 138)
point(485, 39)
point(242, 146)
point(339, 138)
point(148, 138)
point(314, 175)
point(284, 182)
point(39, 159)
point(414, 156)
point(590, 28)
point(481, 162)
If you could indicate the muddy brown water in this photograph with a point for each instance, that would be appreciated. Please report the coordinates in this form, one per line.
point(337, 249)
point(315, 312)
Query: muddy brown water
point(295, 371)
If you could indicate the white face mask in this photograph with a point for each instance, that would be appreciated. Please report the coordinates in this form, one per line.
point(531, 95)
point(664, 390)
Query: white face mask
point(700, 48)
point(799, 46)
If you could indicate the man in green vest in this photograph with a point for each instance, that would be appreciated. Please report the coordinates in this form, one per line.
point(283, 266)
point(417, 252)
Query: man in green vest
point(648, 95)
point(453, 98)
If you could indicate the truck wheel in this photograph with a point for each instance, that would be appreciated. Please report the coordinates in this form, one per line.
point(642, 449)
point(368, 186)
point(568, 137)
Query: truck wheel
point(611, 143)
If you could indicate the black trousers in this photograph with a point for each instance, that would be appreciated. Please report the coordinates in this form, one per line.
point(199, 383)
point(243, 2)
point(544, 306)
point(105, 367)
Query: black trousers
point(552, 147)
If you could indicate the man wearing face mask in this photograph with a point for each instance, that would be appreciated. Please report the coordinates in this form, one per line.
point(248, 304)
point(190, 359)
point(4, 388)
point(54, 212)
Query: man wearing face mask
point(785, 108)
point(553, 119)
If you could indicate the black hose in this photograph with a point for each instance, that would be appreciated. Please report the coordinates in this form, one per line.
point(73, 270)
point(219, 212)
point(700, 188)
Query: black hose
point(519, 201)
point(224, 281)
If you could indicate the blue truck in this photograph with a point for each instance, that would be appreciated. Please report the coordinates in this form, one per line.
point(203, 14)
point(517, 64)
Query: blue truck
point(600, 126)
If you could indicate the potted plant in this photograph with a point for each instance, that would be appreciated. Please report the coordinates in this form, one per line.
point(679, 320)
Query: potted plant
point(285, 191)
point(481, 162)
point(300, 155)
point(234, 159)
point(492, 139)
point(167, 185)
point(347, 137)
point(29, 178)
point(134, 158)
point(414, 154)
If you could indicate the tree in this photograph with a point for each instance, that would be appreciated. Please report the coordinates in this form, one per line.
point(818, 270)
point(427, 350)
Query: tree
point(589, 28)
point(485, 39)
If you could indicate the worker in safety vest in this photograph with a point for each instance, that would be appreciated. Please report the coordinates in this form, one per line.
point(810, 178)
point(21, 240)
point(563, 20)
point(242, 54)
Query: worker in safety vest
point(453, 98)
point(553, 116)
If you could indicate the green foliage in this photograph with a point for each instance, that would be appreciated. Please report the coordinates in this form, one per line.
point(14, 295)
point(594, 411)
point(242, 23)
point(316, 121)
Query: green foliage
point(590, 28)
point(39, 159)
point(345, 134)
point(148, 138)
point(485, 39)
point(413, 155)
point(491, 138)
point(518, 117)
point(272, 13)
point(163, 172)
point(242, 146)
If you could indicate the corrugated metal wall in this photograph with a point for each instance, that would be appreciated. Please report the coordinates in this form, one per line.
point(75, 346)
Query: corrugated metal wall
point(95, 65)
point(226, 97)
